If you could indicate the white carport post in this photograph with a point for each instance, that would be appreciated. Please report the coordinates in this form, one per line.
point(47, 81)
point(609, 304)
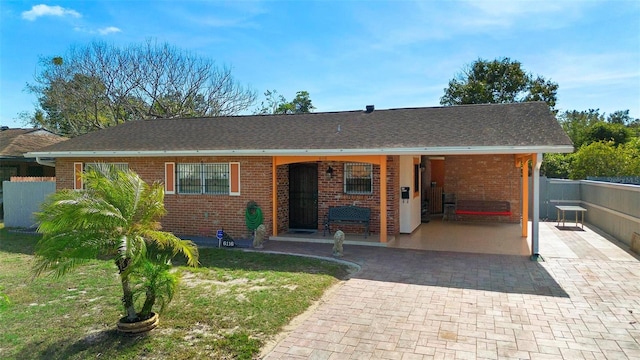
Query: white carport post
point(535, 218)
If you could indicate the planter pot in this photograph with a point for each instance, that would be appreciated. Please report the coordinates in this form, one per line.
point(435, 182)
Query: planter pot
point(138, 326)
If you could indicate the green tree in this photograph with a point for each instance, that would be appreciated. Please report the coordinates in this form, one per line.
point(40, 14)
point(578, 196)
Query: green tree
point(556, 165)
point(272, 102)
point(73, 106)
point(606, 159)
point(621, 117)
point(575, 124)
point(116, 217)
point(275, 103)
point(631, 153)
point(302, 103)
point(498, 81)
point(100, 85)
point(603, 131)
point(634, 126)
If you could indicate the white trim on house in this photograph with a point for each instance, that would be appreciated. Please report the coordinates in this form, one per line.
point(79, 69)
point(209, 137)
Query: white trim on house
point(444, 150)
point(50, 163)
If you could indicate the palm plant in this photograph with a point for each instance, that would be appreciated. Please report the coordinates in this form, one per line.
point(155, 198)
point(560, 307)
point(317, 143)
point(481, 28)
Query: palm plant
point(115, 217)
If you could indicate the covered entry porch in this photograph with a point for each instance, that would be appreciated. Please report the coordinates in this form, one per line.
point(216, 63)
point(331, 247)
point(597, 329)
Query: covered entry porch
point(485, 236)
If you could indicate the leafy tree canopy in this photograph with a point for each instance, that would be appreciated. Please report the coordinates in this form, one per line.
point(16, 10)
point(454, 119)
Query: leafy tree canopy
point(620, 117)
point(605, 145)
point(575, 123)
point(275, 103)
point(498, 81)
point(606, 159)
point(602, 131)
point(555, 165)
point(100, 85)
point(585, 127)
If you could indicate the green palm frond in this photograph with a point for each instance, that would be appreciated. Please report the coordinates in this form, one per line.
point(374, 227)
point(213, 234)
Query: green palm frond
point(67, 210)
point(152, 278)
point(117, 216)
point(56, 268)
point(173, 245)
point(133, 250)
point(151, 207)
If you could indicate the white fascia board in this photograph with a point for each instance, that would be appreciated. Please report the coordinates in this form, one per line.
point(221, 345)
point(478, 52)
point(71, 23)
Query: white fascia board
point(446, 150)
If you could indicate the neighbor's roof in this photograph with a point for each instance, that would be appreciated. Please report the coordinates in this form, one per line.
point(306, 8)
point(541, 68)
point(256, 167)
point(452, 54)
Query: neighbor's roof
point(14, 143)
point(466, 129)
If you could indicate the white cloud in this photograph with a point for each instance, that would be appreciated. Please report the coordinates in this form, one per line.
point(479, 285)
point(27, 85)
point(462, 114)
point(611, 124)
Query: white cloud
point(46, 10)
point(109, 30)
point(103, 31)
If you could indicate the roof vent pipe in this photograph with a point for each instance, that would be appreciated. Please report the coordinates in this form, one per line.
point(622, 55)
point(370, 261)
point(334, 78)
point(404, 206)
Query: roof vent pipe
point(370, 108)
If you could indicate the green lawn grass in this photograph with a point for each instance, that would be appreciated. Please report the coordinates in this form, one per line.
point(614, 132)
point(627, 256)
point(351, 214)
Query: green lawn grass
point(228, 308)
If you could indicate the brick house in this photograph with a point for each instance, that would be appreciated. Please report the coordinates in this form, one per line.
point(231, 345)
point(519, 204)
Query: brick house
point(297, 166)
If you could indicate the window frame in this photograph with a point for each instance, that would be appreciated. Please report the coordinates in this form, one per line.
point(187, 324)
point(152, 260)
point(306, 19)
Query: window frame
point(348, 171)
point(221, 169)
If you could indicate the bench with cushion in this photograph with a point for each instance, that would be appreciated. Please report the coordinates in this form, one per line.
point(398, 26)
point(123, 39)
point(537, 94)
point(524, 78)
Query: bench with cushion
point(347, 214)
point(483, 207)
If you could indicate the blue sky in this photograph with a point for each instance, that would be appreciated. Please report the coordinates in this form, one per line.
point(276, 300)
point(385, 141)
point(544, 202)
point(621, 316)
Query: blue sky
point(347, 54)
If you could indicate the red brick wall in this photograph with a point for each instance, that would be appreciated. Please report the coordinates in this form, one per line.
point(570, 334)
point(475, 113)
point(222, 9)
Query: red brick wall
point(485, 177)
point(203, 214)
point(331, 193)
point(64, 173)
point(190, 214)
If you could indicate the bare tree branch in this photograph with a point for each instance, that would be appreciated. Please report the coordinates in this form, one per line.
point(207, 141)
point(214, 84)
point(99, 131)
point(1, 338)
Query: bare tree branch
point(100, 85)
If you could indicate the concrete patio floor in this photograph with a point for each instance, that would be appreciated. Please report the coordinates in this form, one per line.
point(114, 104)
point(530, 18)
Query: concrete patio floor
point(582, 302)
point(458, 236)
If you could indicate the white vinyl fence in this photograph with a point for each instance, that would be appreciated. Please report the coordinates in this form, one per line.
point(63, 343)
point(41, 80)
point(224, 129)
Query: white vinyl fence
point(612, 207)
point(22, 199)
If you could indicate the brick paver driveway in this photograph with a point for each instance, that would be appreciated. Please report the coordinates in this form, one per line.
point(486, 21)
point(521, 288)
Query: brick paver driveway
point(582, 302)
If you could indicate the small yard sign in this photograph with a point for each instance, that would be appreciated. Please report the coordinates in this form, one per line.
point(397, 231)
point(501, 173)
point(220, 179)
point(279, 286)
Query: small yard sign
point(223, 240)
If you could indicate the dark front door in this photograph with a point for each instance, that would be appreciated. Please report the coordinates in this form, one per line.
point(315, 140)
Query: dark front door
point(303, 196)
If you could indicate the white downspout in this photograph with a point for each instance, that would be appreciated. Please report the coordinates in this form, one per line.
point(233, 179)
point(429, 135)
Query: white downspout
point(50, 163)
point(535, 218)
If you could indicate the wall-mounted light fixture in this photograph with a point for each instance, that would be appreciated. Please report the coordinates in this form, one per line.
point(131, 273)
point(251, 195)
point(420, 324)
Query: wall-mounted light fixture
point(329, 172)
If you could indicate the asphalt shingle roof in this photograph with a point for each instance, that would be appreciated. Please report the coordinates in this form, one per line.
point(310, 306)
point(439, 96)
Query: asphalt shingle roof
point(17, 142)
point(490, 125)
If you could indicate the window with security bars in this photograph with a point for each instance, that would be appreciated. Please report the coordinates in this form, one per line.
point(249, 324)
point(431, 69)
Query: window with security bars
point(203, 178)
point(358, 178)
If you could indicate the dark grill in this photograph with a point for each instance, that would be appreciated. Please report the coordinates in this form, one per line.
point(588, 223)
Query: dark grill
point(203, 178)
point(358, 178)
